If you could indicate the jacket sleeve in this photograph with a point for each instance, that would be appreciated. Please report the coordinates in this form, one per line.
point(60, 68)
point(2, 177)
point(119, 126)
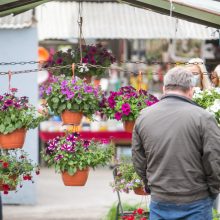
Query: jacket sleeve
point(211, 155)
point(138, 156)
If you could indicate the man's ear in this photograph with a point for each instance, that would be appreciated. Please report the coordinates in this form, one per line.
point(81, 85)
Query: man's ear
point(164, 90)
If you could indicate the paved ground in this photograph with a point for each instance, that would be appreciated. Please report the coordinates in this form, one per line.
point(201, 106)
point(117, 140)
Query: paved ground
point(57, 202)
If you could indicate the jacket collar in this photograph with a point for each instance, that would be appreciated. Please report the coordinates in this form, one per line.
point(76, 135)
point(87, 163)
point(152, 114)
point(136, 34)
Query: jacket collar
point(181, 98)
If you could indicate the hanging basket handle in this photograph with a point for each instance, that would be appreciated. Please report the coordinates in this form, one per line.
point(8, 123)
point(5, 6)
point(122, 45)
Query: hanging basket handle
point(9, 80)
point(139, 80)
point(73, 70)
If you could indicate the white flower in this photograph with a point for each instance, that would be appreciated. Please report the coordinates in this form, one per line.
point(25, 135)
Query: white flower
point(83, 68)
point(197, 90)
point(217, 90)
point(216, 106)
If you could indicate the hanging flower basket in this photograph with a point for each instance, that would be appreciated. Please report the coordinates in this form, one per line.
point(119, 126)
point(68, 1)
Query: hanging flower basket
point(7, 187)
point(78, 179)
point(13, 140)
point(73, 118)
point(140, 191)
point(128, 126)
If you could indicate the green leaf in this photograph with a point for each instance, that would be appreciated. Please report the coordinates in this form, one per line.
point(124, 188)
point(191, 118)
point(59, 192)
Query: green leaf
point(55, 100)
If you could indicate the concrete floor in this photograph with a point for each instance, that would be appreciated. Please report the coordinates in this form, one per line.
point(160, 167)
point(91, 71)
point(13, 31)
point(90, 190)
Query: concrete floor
point(57, 202)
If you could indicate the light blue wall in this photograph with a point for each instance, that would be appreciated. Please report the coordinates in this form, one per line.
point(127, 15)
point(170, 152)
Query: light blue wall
point(21, 45)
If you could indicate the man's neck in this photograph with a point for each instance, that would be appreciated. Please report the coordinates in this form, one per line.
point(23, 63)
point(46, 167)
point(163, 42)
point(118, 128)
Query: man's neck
point(177, 93)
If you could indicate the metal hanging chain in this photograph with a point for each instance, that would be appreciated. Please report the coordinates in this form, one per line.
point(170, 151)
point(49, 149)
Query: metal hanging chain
point(120, 62)
point(79, 65)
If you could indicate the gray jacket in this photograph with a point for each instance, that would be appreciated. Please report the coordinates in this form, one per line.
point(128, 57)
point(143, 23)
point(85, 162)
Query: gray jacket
point(176, 150)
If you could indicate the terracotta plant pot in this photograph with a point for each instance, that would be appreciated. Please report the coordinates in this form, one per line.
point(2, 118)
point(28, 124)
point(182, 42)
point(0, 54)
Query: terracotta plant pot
point(13, 140)
point(140, 191)
point(11, 188)
point(78, 179)
point(87, 79)
point(71, 118)
point(128, 126)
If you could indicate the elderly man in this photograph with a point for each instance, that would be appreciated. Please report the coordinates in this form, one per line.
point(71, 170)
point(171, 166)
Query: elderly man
point(176, 151)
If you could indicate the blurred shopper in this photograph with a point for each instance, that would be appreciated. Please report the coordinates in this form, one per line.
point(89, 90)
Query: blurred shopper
point(215, 77)
point(201, 77)
point(176, 151)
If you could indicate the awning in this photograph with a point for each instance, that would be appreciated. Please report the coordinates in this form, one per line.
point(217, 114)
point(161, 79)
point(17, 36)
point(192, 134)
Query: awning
point(23, 20)
point(8, 7)
point(206, 12)
point(58, 20)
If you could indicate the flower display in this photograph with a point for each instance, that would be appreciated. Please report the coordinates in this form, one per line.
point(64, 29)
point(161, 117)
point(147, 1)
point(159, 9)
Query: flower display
point(71, 153)
point(126, 104)
point(126, 178)
point(209, 100)
point(138, 214)
point(73, 95)
point(91, 55)
point(17, 113)
point(15, 167)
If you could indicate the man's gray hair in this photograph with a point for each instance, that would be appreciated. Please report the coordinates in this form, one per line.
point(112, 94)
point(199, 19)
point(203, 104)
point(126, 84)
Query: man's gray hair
point(178, 78)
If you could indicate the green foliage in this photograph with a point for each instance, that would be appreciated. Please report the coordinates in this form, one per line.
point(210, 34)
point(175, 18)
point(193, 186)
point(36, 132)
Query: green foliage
point(126, 178)
point(14, 168)
point(209, 100)
point(17, 113)
point(70, 153)
point(74, 95)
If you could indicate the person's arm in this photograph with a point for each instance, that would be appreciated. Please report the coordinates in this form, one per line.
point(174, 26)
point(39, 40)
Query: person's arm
point(139, 158)
point(211, 155)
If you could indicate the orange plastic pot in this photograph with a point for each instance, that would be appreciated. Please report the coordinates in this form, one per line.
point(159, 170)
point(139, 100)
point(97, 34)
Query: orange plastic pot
point(71, 118)
point(13, 140)
point(128, 126)
point(78, 179)
point(140, 191)
point(11, 188)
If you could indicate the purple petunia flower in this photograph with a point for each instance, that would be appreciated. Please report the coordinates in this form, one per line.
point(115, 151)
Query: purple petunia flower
point(118, 116)
point(59, 60)
point(49, 90)
point(111, 102)
point(67, 148)
point(71, 138)
point(76, 87)
point(58, 157)
point(17, 105)
point(86, 144)
point(69, 95)
point(88, 89)
point(126, 109)
point(64, 83)
point(1, 97)
point(8, 102)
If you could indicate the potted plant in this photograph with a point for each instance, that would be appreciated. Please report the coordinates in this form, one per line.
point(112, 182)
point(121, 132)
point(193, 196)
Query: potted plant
point(126, 105)
point(209, 100)
point(15, 167)
point(72, 157)
point(17, 115)
point(71, 99)
point(126, 179)
point(91, 55)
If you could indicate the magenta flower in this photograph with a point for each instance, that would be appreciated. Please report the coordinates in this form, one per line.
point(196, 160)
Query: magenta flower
point(111, 102)
point(58, 157)
point(67, 148)
point(1, 97)
point(59, 60)
point(8, 102)
point(126, 109)
point(118, 116)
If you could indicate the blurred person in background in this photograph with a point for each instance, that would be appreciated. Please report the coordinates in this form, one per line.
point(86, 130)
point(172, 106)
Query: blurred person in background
point(201, 76)
point(215, 77)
